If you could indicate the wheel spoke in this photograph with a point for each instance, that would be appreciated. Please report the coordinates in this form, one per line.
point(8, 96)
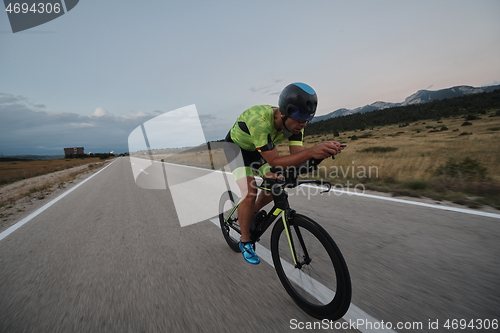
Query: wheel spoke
point(231, 228)
point(321, 286)
point(316, 281)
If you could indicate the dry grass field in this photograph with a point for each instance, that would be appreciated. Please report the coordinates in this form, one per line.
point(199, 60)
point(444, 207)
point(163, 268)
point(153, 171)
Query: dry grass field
point(28, 183)
point(420, 148)
point(12, 171)
point(449, 158)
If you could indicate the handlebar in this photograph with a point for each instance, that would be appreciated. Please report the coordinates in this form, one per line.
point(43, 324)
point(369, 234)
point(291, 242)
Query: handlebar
point(293, 172)
point(333, 156)
point(290, 174)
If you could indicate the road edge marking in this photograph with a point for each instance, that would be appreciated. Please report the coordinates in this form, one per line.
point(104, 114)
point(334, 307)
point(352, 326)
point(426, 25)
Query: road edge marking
point(353, 314)
point(415, 203)
point(28, 218)
point(372, 196)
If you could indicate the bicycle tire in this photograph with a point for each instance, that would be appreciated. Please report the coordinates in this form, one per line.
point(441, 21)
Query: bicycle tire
point(226, 203)
point(322, 288)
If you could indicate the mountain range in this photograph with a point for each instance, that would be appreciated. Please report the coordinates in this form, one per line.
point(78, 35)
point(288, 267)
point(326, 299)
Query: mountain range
point(421, 96)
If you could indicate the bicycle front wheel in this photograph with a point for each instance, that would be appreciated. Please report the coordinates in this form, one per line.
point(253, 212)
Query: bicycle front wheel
point(319, 281)
point(228, 218)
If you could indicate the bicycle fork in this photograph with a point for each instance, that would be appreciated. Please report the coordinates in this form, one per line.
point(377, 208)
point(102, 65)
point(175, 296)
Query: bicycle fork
point(286, 217)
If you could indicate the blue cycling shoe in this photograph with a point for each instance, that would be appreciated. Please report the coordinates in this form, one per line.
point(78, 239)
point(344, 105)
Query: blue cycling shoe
point(248, 251)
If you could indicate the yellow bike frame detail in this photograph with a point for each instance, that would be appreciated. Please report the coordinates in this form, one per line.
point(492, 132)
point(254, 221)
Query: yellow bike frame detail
point(289, 239)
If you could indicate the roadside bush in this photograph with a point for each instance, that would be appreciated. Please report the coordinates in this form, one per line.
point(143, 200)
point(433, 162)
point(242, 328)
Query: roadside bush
point(417, 184)
point(401, 192)
point(471, 117)
point(468, 169)
point(378, 149)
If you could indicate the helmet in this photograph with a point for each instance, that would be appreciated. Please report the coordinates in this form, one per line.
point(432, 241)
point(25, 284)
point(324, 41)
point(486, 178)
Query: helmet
point(298, 101)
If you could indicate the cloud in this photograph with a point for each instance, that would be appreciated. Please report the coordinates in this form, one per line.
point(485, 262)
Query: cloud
point(260, 88)
point(10, 99)
point(269, 89)
point(140, 114)
point(26, 128)
point(101, 112)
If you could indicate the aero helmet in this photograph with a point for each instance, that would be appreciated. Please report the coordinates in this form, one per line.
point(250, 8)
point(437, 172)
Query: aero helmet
point(298, 101)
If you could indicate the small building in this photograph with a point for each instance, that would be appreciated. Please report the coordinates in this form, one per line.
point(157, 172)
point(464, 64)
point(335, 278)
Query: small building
point(73, 152)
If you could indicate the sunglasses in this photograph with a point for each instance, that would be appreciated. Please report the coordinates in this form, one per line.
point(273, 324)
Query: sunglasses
point(301, 116)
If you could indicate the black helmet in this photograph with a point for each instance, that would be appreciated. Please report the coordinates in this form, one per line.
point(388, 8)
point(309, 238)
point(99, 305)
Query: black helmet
point(298, 101)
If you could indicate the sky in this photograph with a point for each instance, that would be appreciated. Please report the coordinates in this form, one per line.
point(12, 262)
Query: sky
point(93, 75)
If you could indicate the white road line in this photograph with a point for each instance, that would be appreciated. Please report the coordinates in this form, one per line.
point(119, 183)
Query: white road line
point(28, 218)
point(423, 204)
point(416, 203)
point(353, 315)
point(408, 202)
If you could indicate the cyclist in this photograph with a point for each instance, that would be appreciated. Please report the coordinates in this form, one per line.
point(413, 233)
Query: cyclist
point(257, 131)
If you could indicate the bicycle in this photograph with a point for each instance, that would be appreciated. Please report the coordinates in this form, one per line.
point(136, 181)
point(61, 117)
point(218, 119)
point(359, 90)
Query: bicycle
point(309, 264)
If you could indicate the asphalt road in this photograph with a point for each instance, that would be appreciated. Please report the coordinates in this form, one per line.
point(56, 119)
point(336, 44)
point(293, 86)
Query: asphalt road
point(112, 257)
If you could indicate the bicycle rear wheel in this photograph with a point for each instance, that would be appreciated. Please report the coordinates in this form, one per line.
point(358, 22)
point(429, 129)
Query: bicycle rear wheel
point(228, 218)
point(322, 285)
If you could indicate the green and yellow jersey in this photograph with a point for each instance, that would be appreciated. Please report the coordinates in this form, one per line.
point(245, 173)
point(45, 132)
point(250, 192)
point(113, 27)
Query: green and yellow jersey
point(254, 130)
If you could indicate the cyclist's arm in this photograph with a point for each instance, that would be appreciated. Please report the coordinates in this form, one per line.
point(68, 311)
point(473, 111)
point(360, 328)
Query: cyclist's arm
point(321, 151)
point(274, 159)
point(295, 149)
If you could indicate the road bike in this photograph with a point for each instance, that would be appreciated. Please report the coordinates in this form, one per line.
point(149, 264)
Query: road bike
point(308, 262)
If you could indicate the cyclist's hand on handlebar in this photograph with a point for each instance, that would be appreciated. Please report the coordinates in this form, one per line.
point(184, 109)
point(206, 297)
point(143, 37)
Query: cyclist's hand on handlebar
point(326, 149)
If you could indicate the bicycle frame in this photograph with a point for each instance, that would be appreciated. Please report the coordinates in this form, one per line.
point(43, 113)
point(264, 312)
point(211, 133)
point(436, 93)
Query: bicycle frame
point(281, 207)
